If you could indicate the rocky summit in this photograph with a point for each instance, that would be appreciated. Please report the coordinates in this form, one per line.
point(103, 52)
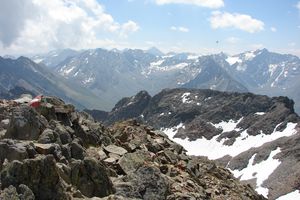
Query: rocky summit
point(254, 136)
point(55, 152)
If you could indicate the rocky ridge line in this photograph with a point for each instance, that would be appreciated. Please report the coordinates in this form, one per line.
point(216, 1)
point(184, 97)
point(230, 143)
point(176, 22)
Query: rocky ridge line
point(55, 152)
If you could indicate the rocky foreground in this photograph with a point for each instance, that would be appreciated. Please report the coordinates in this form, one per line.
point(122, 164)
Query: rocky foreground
point(55, 152)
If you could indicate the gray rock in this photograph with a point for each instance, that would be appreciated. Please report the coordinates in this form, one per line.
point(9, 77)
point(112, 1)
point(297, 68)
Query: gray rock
point(91, 178)
point(12, 150)
point(25, 124)
point(77, 151)
point(45, 148)
point(47, 136)
point(147, 183)
point(25, 193)
point(4, 123)
point(39, 174)
point(115, 149)
point(63, 132)
point(9, 193)
point(132, 161)
point(97, 153)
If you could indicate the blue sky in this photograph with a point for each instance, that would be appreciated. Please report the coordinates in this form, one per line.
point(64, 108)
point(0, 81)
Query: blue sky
point(170, 25)
point(281, 31)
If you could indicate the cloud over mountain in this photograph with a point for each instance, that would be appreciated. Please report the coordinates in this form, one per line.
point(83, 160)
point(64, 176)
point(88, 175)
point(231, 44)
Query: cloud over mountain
point(235, 20)
point(58, 24)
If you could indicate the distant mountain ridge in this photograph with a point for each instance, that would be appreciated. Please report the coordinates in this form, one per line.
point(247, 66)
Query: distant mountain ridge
point(23, 74)
point(113, 74)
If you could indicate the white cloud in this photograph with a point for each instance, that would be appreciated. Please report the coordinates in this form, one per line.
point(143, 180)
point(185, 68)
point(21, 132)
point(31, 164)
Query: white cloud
point(180, 29)
point(57, 24)
point(273, 29)
point(239, 21)
point(233, 40)
point(298, 5)
point(129, 27)
point(201, 3)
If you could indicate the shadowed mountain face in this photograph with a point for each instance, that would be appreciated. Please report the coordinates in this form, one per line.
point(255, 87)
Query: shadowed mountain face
point(23, 75)
point(215, 76)
point(235, 128)
point(267, 73)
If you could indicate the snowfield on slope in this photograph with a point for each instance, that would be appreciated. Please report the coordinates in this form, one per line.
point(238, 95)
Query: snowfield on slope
point(214, 149)
point(261, 171)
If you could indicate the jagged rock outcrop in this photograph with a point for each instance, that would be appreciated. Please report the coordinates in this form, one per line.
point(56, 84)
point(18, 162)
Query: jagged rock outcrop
point(74, 157)
point(197, 109)
point(243, 131)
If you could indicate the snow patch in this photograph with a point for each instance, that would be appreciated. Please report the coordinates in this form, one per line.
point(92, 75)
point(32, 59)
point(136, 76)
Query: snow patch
point(249, 55)
point(261, 171)
point(157, 63)
point(76, 73)
point(168, 56)
point(185, 97)
point(214, 149)
point(272, 68)
point(38, 60)
point(68, 71)
point(290, 196)
point(192, 57)
point(228, 126)
point(88, 80)
point(156, 66)
point(233, 60)
point(208, 98)
point(260, 113)
point(213, 87)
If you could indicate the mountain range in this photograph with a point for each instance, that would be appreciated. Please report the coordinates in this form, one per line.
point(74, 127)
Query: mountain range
point(211, 111)
point(22, 75)
point(255, 136)
point(113, 74)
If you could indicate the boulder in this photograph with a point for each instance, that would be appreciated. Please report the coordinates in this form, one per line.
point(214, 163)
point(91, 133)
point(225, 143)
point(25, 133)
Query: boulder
point(39, 174)
point(77, 151)
point(25, 124)
point(132, 161)
point(45, 148)
point(146, 183)
point(91, 178)
point(12, 150)
point(96, 153)
point(115, 149)
point(22, 192)
point(64, 132)
point(47, 136)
